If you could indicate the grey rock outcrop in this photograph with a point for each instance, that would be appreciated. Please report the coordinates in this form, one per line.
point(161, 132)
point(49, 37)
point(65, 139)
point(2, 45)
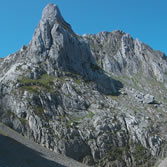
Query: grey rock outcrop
point(118, 53)
point(89, 97)
point(149, 99)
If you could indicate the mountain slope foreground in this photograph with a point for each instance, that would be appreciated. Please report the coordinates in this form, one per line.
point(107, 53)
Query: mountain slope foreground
point(17, 151)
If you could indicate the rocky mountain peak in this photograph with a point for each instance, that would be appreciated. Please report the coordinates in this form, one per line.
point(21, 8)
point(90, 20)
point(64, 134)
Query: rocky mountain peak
point(51, 24)
point(99, 99)
point(51, 13)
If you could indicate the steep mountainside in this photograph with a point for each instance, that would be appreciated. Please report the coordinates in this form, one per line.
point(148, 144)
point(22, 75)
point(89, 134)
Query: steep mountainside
point(99, 99)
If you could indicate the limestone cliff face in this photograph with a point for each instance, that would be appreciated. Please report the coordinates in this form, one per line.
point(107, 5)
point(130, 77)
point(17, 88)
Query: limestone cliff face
point(118, 53)
point(99, 99)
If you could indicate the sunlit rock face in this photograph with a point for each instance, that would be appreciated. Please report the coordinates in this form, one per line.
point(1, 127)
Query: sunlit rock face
point(99, 99)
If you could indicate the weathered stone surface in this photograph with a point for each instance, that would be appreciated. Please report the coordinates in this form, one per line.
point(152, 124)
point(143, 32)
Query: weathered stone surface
point(149, 99)
point(118, 53)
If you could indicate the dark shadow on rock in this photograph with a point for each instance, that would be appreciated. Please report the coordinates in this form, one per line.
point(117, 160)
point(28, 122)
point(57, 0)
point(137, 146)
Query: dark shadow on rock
point(15, 154)
point(105, 84)
point(79, 59)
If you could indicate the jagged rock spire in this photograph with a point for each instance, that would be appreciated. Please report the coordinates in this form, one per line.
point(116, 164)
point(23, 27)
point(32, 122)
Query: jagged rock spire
point(49, 23)
point(51, 13)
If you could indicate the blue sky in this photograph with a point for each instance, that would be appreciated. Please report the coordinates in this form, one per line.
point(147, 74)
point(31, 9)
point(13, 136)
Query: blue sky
point(143, 19)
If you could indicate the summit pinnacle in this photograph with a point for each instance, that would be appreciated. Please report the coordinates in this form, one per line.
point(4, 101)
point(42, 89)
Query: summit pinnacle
point(52, 13)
